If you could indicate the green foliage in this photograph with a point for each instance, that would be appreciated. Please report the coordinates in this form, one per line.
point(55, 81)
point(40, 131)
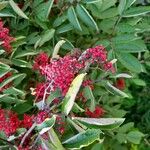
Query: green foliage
point(122, 26)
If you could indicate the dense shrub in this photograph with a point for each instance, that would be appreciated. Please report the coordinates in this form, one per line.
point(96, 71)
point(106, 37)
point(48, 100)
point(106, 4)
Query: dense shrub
point(71, 71)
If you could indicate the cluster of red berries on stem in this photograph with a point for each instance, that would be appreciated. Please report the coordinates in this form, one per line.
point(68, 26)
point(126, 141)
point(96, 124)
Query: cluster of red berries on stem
point(59, 73)
point(5, 38)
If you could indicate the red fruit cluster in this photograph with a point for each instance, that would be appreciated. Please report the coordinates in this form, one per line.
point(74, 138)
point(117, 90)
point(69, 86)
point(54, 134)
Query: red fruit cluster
point(97, 113)
point(41, 116)
point(60, 73)
point(9, 122)
point(4, 78)
point(5, 38)
point(40, 61)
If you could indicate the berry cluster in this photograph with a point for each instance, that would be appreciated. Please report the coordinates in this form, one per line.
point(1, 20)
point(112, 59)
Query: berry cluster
point(5, 38)
point(59, 73)
point(9, 122)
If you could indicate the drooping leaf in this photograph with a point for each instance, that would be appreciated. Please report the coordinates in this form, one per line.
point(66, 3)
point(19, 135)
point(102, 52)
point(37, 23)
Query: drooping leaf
point(130, 62)
point(57, 47)
point(17, 9)
point(73, 18)
point(100, 123)
point(83, 139)
point(86, 17)
point(71, 94)
point(115, 91)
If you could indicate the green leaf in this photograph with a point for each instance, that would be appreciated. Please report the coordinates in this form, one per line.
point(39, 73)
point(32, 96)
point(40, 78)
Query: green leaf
point(76, 108)
point(10, 79)
point(86, 17)
point(59, 20)
point(82, 139)
point(129, 3)
point(19, 79)
point(131, 47)
point(123, 75)
point(124, 38)
point(107, 4)
point(72, 17)
point(9, 99)
point(21, 63)
point(52, 96)
point(3, 4)
point(122, 6)
point(135, 137)
point(56, 48)
point(139, 82)
point(43, 10)
point(14, 91)
point(126, 127)
point(136, 11)
point(2, 51)
point(55, 140)
point(88, 94)
point(115, 91)
point(100, 123)
point(98, 146)
point(6, 14)
point(22, 108)
point(48, 35)
point(126, 28)
point(46, 125)
point(19, 54)
point(91, 1)
point(110, 13)
point(4, 69)
point(64, 28)
point(17, 9)
point(71, 94)
point(121, 137)
point(130, 62)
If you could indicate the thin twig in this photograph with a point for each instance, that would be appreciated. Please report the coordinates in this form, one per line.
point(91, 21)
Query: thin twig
point(27, 134)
